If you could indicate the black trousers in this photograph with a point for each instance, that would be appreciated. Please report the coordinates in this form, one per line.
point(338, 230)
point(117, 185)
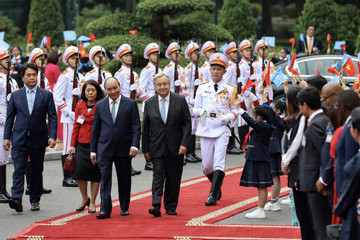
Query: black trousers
point(167, 171)
point(191, 148)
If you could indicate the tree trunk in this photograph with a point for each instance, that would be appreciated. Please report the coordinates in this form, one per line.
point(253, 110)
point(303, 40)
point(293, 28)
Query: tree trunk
point(299, 6)
point(266, 23)
point(157, 26)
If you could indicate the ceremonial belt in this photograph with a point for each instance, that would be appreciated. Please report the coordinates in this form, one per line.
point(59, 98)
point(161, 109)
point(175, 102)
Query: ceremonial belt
point(3, 107)
point(215, 115)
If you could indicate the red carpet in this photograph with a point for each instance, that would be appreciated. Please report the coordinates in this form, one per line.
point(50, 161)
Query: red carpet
point(194, 219)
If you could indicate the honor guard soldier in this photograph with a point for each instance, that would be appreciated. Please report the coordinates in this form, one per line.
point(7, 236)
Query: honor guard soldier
point(192, 72)
point(231, 51)
point(125, 55)
point(146, 82)
point(215, 105)
point(97, 56)
point(65, 92)
point(261, 48)
point(38, 58)
point(178, 81)
point(245, 50)
point(207, 50)
point(4, 99)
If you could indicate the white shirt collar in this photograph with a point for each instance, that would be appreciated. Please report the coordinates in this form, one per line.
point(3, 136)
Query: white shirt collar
point(117, 100)
point(167, 98)
point(314, 114)
point(27, 88)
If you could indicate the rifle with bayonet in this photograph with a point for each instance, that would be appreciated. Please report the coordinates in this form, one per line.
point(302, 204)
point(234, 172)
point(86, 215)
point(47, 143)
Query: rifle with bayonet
point(243, 106)
point(158, 59)
point(132, 80)
point(256, 103)
point(75, 81)
point(8, 79)
point(176, 73)
point(197, 71)
point(100, 80)
point(42, 73)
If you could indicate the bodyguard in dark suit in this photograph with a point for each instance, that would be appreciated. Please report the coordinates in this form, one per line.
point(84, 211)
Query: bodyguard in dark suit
point(312, 44)
point(166, 134)
point(115, 139)
point(26, 126)
point(316, 204)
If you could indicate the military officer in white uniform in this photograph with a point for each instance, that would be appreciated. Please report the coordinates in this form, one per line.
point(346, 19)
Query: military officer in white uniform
point(124, 54)
point(146, 81)
point(96, 54)
point(207, 50)
point(215, 105)
point(192, 53)
point(4, 97)
point(63, 96)
point(39, 59)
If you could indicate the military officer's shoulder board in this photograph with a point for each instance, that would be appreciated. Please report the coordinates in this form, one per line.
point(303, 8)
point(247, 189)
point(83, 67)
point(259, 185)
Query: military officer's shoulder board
point(204, 82)
point(188, 67)
point(147, 67)
point(169, 65)
point(241, 63)
point(92, 71)
point(120, 70)
point(257, 61)
point(65, 72)
point(204, 65)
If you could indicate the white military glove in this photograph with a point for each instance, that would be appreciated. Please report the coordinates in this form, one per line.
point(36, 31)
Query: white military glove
point(133, 87)
point(225, 119)
point(177, 83)
point(192, 102)
point(8, 97)
point(72, 115)
point(197, 82)
point(76, 92)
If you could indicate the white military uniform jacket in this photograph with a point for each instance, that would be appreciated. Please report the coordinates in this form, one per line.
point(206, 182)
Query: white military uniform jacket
point(190, 75)
point(205, 70)
point(258, 68)
point(46, 81)
point(63, 94)
point(123, 77)
point(230, 75)
point(211, 106)
point(94, 75)
point(170, 72)
point(146, 81)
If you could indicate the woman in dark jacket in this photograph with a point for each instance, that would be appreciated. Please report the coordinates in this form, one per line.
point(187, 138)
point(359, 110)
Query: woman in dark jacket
point(80, 140)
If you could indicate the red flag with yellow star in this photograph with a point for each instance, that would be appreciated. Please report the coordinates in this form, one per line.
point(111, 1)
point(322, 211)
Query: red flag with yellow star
point(348, 65)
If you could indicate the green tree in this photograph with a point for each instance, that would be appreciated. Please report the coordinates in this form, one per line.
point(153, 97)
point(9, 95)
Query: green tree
point(156, 10)
point(323, 14)
point(234, 16)
point(45, 19)
point(12, 33)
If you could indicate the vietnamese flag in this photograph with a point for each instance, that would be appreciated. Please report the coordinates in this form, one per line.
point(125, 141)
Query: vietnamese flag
point(92, 37)
point(296, 73)
point(292, 40)
point(348, 65)
point(133, 32)
point(30, 36)
point(328, 37)
point(266, 74)
point(343, 47)
point(248, 85)
point(318, 73)
point(292, 61)
point(333, 70)
point(48, 44)
point(356, 83)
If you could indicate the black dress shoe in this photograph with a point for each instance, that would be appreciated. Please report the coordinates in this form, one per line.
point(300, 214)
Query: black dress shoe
point(149, 166)
point(103, 215)
point(81, 208)
point(16, 204)
point(196, 157)
point(69, 182)
point(190, 159)
point(124, 213)
point(155, 211)
point(135, 172)
point(171, 212)
point(35, 206)
point(211, 201)
point(46, 191)
point(234, 150)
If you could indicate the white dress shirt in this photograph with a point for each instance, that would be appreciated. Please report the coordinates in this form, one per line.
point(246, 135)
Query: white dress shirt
point(167, 100)
point(117, 102)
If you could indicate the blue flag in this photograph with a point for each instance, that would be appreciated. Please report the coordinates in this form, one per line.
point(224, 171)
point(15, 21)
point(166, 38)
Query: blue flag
point(288, 60)
point(69, 35)
point(83, 39)
point(2, 34)
point(359, 56)
point(336, 65)
point(223, 47)
point(302, 37)
point(4, 44)
point(338, 44)
point(44, 41)
point(335, 79)
point(278, 77)
point(269, 40)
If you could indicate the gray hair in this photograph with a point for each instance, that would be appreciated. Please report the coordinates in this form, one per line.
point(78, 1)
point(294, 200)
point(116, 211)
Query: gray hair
point(160, 75)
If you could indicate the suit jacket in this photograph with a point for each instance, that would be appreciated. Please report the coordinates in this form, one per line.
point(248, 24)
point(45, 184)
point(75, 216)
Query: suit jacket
point(109, 139)
point(82, 132)
point(300, 45)
point(309, 161)
point(258, 148)
point(346, 149)
point(32, 128)
point(157, 135)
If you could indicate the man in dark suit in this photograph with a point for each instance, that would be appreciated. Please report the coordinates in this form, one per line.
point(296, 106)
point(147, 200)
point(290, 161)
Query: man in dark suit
point(315, 203)
point(115, 138)
point(312, 44)
point(28, 110)
point(166, 134)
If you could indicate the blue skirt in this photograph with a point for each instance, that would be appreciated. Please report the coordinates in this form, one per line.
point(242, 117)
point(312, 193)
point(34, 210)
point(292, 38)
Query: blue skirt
point(256, 174)
point(275, 164)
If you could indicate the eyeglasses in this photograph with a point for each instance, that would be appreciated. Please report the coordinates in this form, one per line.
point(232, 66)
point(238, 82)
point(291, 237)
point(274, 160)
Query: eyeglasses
point(324, 98)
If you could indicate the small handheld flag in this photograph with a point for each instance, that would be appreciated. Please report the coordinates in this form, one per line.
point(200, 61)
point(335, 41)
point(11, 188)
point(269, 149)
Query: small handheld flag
point(30, 37)
point(348, 65)
point(92, 37)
